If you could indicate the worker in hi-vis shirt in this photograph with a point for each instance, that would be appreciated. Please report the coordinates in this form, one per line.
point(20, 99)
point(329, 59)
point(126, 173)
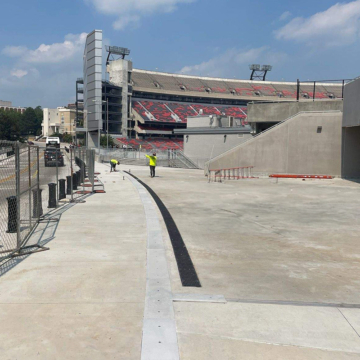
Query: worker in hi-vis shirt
point(113, 164)
point(152, 163)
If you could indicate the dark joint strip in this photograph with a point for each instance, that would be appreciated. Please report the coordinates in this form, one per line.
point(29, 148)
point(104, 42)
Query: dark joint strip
point(185, 265)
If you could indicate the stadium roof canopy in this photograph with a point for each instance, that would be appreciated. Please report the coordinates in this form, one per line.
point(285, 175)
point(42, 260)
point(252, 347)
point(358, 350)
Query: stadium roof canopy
point(224, 88)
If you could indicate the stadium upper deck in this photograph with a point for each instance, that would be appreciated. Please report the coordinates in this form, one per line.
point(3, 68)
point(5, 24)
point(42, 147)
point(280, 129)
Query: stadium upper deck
point(144, 81)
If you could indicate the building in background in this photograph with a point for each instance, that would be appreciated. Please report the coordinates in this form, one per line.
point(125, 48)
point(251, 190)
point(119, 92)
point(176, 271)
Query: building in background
point(60, 120)
point(111, 108)
point(67, 121)
point(51, 123)
point(7, 106)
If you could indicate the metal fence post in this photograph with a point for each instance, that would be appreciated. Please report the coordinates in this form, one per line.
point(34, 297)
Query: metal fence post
point(92, 169)
point(29, 165)
point(58, 153)
point(38, 180)
point(17, 174)
point(71, 171)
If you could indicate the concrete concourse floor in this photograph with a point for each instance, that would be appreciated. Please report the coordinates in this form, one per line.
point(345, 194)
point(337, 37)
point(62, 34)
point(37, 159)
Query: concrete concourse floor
point(84, 298)
point(268, 248)
point(284, 255)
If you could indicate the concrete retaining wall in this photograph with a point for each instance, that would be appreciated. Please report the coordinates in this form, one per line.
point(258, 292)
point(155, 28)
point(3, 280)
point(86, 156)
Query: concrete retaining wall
point(295, 146)
point(352, 104)
point(276, 112)
point(201, 148)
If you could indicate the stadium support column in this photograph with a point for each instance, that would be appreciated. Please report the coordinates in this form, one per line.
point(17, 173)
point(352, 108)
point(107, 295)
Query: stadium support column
point(120, 75)
point(92, 63)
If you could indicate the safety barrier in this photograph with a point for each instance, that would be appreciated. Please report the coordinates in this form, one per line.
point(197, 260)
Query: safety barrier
point(32, 184)
point(289, 176)
point(244, 172)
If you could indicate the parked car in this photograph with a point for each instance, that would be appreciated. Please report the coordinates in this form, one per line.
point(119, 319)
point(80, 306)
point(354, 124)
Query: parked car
point(30, 142)
point(53, 156)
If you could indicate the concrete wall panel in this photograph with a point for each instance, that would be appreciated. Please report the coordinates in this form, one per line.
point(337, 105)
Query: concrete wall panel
point(276, 112)
point(352, 104)
point(293, 147)
point(201, 148)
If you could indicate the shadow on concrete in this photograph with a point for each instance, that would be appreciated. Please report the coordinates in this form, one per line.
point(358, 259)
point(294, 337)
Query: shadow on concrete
point(42, 234)
point(357, 181)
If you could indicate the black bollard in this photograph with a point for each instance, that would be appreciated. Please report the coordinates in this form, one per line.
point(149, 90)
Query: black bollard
point(78, 173)
point(52, 196)
point(62, 194)
point(74, 181)
point(68, 185)
point(37, 203)
point(82, 173)
point(12, 214)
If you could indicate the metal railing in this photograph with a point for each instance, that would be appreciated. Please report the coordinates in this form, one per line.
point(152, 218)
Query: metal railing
point(219, 175)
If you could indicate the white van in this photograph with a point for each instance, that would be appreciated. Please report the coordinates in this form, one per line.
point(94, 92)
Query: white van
point(53, 142)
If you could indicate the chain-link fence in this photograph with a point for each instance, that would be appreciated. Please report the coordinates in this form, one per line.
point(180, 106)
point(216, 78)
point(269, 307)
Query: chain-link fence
point(19, 195)
point(35, 181)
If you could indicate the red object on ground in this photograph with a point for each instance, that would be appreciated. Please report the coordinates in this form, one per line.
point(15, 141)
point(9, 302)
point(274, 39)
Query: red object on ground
point(287, 176)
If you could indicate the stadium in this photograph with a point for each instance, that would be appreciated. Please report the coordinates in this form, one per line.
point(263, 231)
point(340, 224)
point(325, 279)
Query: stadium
point(214, 122)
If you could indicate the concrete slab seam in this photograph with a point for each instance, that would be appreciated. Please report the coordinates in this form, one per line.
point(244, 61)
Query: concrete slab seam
point(159, 336)
point(348, 322)
point(199, 298)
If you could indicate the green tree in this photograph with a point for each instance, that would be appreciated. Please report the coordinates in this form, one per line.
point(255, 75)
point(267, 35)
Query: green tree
point(10, 125)
point(29, 123)
point(60, 136)
point(67, 138)
point(103, 141)
point(39, 119)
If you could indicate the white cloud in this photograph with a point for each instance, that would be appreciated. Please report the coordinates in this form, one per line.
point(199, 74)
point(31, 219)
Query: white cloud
point(285, 15)
point(123, 22)
point(53, 53)
point(234, 62)
point(14, 51)
point(338, 25)
point(44, 75)
point(129, 12)
point(18, 73)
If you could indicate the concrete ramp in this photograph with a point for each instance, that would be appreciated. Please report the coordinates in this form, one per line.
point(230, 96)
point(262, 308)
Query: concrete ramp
point(307, 143)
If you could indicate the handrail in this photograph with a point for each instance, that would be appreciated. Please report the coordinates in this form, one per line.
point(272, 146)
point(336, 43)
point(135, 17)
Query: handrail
point(269, 129)
point(244, 172)
point(192, 164)
point(240, 167)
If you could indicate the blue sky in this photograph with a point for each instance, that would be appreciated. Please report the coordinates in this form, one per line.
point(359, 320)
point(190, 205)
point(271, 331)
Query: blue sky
point(42, 41)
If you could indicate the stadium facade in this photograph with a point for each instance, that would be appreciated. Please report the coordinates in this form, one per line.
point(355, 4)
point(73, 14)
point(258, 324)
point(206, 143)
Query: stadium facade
point(281, 127)
point(150, 105)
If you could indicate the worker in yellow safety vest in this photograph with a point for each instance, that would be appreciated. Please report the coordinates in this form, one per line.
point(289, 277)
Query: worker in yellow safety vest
point(152, 163)
point(113, 164)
